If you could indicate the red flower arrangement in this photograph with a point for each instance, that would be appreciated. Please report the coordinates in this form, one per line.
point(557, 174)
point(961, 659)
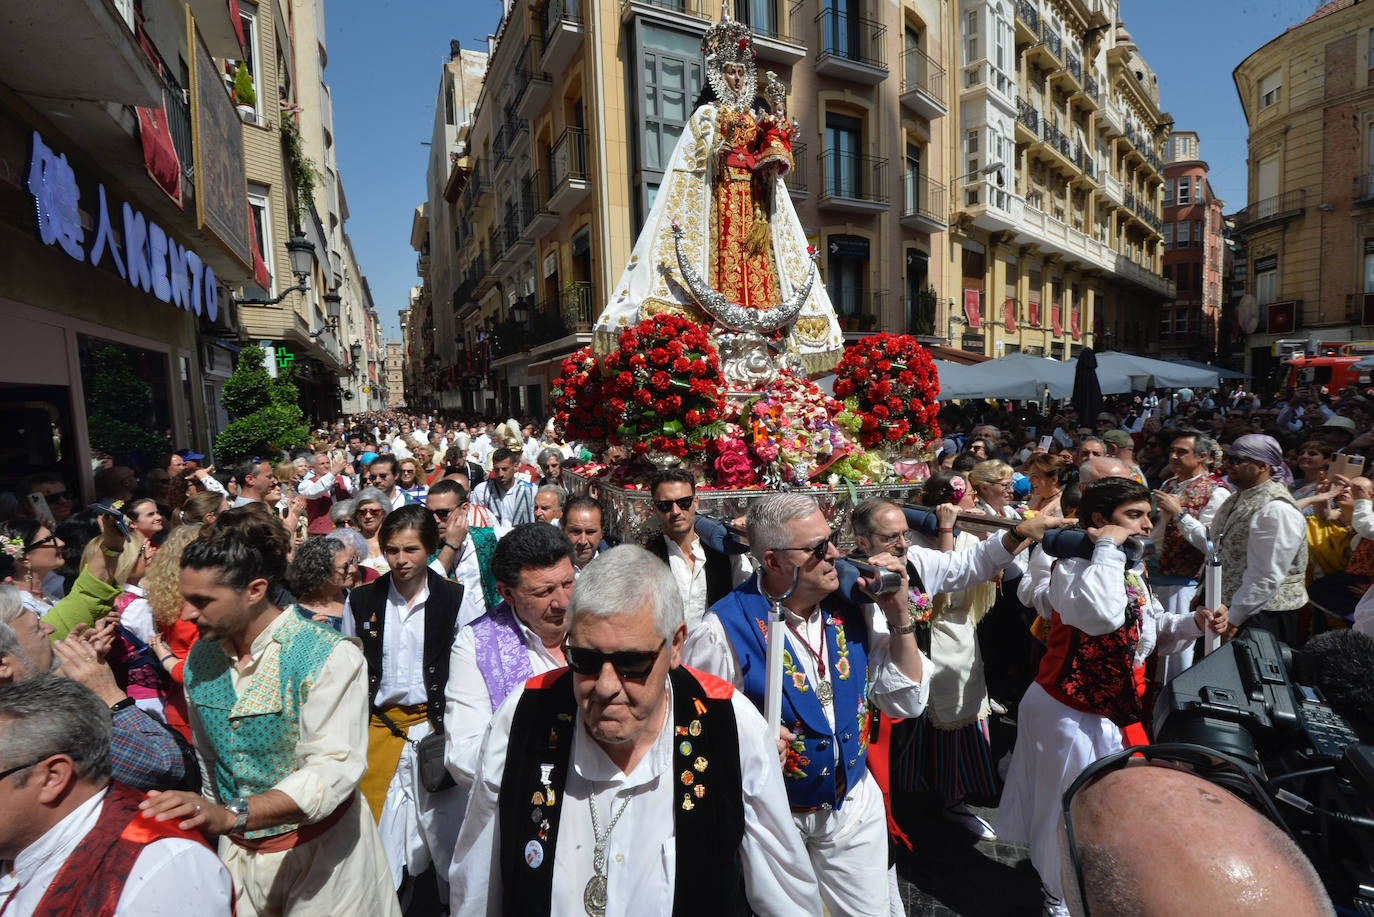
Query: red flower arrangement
point(579, 409)
point(662, 388)
point(890, 382)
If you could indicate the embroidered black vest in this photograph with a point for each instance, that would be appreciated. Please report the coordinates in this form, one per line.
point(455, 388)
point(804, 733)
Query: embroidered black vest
point(708, 806)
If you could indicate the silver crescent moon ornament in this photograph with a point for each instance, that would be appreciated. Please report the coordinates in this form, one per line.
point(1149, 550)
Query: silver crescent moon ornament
point(733, 315)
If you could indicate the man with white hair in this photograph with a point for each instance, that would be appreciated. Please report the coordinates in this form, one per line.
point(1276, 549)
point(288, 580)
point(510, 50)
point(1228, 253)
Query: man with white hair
point(838, 658)
point(628, 780)
point(76, 840)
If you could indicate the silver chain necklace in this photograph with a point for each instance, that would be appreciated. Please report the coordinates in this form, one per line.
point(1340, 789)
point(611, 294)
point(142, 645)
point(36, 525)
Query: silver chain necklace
point(594, 895)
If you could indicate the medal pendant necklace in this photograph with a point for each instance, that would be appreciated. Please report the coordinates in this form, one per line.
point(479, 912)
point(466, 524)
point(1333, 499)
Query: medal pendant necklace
point(825, 692)
point(594, 895)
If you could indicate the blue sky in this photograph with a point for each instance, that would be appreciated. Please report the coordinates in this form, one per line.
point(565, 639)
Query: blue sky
point(385, 59)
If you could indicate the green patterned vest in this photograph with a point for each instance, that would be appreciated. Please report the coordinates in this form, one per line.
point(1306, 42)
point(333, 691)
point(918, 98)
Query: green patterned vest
point(255, 734)
point(1232, 525)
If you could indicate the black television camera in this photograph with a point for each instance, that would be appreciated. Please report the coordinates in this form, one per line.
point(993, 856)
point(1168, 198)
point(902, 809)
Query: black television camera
point(1241, 700)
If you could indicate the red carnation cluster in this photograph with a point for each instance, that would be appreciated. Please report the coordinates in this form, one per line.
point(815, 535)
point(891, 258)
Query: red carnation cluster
point(662, 385)
point(579, 408)
point(894, 382)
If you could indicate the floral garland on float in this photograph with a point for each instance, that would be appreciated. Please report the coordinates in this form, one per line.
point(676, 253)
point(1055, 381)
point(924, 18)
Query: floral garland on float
point(661, 394)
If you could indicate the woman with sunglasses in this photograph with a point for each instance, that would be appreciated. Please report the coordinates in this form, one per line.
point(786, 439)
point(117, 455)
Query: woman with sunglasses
point(410, 479)
point(29, 551)
point(1087, 698)
point(370, 508)
point(407, 616)
point(321, 572)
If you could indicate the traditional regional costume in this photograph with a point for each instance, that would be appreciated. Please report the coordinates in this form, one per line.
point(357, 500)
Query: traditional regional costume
point(1086, 701)
point(407, 652)
point(706, 580)
point(836, 661)
point(1180, 549)
point(698, 826)
point(105, 860)
point(293, 719)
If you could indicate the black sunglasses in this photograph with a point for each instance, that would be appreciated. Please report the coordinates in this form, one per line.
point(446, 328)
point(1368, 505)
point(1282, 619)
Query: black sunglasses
point(819, 549)
point(61, 495)
point(1228, 772)
point(683, 503)
point(627, 663)
point(378, 477)
point(40, 542)
point(75, 756)
point(441, 514)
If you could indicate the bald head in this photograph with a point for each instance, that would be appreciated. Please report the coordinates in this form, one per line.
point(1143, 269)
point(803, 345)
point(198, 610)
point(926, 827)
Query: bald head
point(1095, 469)
point(1158, 841)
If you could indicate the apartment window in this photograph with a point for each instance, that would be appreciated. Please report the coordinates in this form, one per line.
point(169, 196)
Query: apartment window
point(1197, 234)
point(1169, 193)
point(262, 230)
point(1369, 265)
point(846, 268)
point(843, 165)
point(1168, 237)
point(1269, 88)
point(842, 28)
point(971, 38)
point(912, 185)
point(1182, 233)
point(670, 84)
point(1267, 280)
point(1181, 322)
point(760, 15)
point(1184, 195)
point(248, 18)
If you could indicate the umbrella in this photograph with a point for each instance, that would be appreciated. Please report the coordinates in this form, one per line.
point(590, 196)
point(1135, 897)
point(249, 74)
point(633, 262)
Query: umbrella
point(1220, 372)
point(1365, 365)
point(1150, 373)
point(1087, 391)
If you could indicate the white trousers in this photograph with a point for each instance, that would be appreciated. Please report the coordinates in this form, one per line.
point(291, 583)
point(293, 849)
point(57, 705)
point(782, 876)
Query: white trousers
point(848, 851)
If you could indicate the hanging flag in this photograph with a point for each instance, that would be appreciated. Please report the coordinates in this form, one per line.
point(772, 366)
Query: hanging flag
point(1009, 310)
point(1073, 324)
point(1033, 314)
point(159, 153)
point(1054, 320)
point(972, 299)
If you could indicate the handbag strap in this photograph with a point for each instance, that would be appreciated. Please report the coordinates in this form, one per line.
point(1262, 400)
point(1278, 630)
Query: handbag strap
point(397, 731)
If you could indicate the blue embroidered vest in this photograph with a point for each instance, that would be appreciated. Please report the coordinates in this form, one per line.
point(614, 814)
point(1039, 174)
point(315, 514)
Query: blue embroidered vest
point(255, 734)
point(823, 764)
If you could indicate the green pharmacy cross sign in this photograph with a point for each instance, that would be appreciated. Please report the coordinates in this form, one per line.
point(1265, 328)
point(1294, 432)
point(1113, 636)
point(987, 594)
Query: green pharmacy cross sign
point(284, 358)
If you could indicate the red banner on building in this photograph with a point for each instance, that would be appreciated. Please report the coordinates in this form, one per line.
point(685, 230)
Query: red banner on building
point(972, 299)
point(1054, 320)
point(1033, 314)
point(1073, 324)
point(1009, 313)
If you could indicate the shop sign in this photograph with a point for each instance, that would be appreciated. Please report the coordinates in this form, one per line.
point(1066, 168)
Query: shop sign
point(155, 262)
point(284, 358)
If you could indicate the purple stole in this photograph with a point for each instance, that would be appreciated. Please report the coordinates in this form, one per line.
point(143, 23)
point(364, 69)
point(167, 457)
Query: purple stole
point(501, 655)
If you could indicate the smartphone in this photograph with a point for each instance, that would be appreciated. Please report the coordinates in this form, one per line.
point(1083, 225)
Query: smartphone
point(1030, 431)
point(41, 511)
point(1047, 443)
point(1347, 466)
point(118, 517)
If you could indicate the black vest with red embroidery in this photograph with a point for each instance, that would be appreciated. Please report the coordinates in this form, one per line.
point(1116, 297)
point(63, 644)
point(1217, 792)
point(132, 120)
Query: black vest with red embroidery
point(92, 879)
point(1093, 674)
point(708, 803)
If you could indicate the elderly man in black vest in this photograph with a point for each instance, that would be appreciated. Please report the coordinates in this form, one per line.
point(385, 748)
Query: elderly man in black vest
point(703, 574)
point(627, 780)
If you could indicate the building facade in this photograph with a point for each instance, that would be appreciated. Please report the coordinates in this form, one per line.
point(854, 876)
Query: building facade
point(1307, 230)
point(1194, 247)
point(1040, 119)
point(395, 373)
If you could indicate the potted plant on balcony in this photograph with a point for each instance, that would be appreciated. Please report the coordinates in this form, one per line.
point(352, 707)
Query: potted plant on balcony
point(868, 321)
point(244, 95)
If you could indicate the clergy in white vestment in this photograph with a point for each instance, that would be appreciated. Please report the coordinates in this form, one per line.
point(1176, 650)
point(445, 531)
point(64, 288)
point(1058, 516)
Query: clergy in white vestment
point(627, 783)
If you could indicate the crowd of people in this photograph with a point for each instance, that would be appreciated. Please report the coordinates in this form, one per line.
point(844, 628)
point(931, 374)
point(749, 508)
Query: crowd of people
point(410, 668)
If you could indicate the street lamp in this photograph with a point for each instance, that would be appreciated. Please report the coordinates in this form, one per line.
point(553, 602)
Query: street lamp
point(331, 309)
point(302, 255)
point(985, 170)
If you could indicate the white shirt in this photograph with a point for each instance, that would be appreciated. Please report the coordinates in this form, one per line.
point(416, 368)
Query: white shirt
point(691, 578)
point(397, 498)
point(331, 752)
point(468, 573)
point(313, 486)
point(467, 703)
point(511, 507)
point(1277, 531)
point(1194, 529)
point(641, 855)
point(174, 876)
point(710, 650)
point(403, 648)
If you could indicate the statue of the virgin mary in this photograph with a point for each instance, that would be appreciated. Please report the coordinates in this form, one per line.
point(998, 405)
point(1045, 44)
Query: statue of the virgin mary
point(722, 243)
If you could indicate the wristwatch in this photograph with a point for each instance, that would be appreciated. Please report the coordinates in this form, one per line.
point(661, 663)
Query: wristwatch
point(907, 628)
point(240, 809)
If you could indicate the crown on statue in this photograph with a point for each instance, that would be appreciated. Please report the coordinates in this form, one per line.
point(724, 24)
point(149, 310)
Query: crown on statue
point(728, 42)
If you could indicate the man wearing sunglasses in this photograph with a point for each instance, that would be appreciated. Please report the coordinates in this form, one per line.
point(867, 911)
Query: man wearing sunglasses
point(1262, 536)
point(465, 550)
point(383, 473)
point(66, 824)
point(255, 479)
point(593, 779)
point(838, 658)
point(520, 637)
point(704, 575)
